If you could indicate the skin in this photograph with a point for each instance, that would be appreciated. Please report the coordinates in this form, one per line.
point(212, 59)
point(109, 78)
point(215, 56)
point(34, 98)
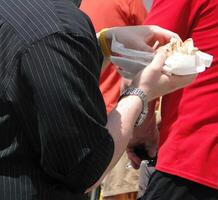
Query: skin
point(150, 80)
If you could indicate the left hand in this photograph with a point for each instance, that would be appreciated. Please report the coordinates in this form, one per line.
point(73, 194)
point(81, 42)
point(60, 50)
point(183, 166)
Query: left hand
point(146, 135)
point(140, 37)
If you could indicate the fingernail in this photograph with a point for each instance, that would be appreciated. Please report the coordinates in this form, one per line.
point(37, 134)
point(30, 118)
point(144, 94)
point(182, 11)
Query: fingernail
point(128, 165)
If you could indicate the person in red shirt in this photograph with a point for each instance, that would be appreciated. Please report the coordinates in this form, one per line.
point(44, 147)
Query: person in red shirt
point(187, 165)
point(121, 182)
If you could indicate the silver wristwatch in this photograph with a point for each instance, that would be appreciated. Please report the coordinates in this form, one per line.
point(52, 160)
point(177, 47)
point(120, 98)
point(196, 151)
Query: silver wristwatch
point(138, 92)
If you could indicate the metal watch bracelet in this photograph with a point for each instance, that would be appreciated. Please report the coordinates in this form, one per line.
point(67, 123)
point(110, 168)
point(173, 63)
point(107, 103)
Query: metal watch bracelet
point(137, 92)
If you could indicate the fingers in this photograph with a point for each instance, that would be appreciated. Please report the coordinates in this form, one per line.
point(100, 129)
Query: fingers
point(152, 152)
point(167, 34)
point(159, 58)
point(135, 160)
point(162, 35)
point(140, 45)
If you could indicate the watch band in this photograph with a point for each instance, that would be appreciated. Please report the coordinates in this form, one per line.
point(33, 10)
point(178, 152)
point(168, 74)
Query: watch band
point(138, 92)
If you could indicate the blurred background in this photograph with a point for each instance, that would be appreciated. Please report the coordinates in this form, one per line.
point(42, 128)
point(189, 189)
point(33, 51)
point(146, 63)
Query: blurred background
point(148, 4)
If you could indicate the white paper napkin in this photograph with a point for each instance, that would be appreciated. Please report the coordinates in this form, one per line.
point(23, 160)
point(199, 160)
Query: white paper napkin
point(184, 59)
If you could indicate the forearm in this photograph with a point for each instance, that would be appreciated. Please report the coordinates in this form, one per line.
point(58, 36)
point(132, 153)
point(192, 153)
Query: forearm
point(120, 124)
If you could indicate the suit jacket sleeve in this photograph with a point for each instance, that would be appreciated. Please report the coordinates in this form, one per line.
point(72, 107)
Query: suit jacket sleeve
point(62, 72)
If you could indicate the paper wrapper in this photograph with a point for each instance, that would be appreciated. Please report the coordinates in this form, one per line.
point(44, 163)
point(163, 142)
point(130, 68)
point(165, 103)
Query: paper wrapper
point(129, 61)
point(184, 58)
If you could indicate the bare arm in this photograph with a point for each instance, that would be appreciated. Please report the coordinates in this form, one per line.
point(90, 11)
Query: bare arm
point(122, 119)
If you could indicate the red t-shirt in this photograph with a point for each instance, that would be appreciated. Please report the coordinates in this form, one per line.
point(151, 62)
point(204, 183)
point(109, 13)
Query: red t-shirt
point(189, 130)
point(110, 13)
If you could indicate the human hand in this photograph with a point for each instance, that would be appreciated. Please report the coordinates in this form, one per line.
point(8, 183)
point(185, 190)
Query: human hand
point(154, 83)
point(145, 137)
point(140, 37)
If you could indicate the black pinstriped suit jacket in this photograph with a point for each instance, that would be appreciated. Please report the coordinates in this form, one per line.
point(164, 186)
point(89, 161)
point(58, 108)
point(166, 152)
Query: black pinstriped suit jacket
point(53, 143)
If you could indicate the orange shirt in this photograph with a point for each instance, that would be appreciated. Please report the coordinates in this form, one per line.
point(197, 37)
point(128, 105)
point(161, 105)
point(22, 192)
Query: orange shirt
point(110, 13)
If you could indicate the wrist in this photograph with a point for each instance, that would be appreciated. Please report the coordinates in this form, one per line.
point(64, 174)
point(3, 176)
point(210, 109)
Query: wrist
point(145, 89)
point(140, 94)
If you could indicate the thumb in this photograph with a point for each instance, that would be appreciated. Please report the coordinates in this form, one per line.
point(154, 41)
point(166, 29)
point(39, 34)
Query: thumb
point(159, 59)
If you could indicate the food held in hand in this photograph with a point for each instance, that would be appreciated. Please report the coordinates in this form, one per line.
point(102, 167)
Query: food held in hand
point(184, 58)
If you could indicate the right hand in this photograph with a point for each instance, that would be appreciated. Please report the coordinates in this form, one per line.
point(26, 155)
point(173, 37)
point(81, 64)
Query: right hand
point(154, 83)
